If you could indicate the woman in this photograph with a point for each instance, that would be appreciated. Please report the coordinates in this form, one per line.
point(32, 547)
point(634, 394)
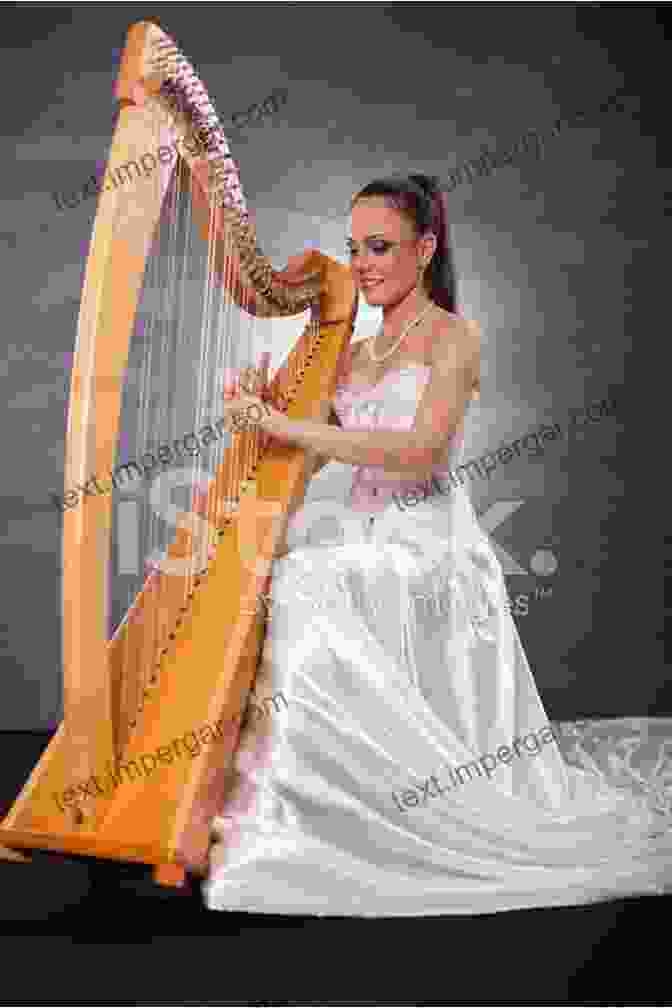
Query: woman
point(412, 769)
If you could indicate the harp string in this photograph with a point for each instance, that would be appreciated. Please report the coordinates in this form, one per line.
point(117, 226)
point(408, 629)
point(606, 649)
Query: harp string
point(196, 341)
point(184, 357)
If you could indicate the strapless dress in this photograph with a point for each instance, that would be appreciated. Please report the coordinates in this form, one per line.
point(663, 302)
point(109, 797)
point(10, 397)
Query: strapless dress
point(410, 767)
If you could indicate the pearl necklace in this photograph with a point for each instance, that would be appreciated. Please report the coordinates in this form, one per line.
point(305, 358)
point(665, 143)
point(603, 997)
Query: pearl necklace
point(395, 346)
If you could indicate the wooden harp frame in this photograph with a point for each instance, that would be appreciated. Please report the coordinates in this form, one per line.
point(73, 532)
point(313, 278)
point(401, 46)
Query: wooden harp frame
point(209, 652)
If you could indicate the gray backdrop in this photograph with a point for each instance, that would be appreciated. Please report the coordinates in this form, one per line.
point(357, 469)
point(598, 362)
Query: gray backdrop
point(556, 250)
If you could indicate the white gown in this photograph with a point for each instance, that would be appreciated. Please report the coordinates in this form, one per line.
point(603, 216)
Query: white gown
point(407, 766)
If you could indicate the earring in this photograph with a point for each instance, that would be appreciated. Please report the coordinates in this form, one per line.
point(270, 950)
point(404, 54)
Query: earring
point(421, 270)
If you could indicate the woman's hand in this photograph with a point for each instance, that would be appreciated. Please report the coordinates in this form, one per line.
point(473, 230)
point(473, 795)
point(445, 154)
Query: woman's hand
point(297, 272)
point(244, 411)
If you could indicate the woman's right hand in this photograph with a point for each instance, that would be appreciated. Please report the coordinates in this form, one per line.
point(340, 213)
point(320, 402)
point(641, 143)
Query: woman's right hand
point(297, 271)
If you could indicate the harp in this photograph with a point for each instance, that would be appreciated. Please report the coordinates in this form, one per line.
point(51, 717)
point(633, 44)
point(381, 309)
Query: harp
point(177, 646)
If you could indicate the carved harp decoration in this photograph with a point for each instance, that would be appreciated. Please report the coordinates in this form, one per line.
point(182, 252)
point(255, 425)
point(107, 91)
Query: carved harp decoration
point(176, 297)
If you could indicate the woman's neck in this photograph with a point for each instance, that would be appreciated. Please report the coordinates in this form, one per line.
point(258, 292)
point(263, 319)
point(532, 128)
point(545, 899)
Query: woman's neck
point(397, 316)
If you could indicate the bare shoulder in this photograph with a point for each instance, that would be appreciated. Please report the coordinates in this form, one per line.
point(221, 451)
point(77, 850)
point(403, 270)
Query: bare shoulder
point(454, 337)
point(456, 343)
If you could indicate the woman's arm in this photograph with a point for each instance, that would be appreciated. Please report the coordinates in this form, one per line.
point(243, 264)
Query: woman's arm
point(351, 359)
point(322, 460)
point(439, 415)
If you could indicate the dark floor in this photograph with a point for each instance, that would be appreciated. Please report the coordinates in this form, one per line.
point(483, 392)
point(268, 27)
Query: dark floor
point(77, 931)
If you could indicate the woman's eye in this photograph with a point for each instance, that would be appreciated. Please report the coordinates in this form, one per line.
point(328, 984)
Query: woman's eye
point(378, 248)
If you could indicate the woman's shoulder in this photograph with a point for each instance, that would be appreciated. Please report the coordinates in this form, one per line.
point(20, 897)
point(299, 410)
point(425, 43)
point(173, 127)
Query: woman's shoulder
point(433, 340)
point(454, 329)
point(457, 340)
point(449, 320)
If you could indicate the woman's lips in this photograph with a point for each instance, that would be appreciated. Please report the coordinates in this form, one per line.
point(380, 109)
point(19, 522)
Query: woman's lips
point(368, 284)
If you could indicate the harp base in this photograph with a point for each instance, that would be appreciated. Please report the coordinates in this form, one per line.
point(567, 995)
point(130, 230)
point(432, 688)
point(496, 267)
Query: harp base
point(170, 875)
point(165, 873)
point(10, 855)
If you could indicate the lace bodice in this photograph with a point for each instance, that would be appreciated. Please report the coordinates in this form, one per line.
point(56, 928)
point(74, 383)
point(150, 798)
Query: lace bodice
point(390, 403)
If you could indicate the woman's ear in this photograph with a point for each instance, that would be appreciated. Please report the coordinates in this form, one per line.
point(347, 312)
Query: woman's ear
point(430, 244)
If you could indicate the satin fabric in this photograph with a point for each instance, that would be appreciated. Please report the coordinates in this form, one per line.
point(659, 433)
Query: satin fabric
point(390, 639)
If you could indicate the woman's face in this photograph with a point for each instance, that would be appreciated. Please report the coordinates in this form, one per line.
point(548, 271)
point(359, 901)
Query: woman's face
point(384, 251)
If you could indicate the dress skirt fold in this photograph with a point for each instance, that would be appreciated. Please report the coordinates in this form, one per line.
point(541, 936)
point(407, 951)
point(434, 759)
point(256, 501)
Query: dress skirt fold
point(407, 766)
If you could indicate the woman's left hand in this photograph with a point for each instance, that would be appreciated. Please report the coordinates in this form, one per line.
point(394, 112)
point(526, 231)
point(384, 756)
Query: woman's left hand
point(245, 410)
